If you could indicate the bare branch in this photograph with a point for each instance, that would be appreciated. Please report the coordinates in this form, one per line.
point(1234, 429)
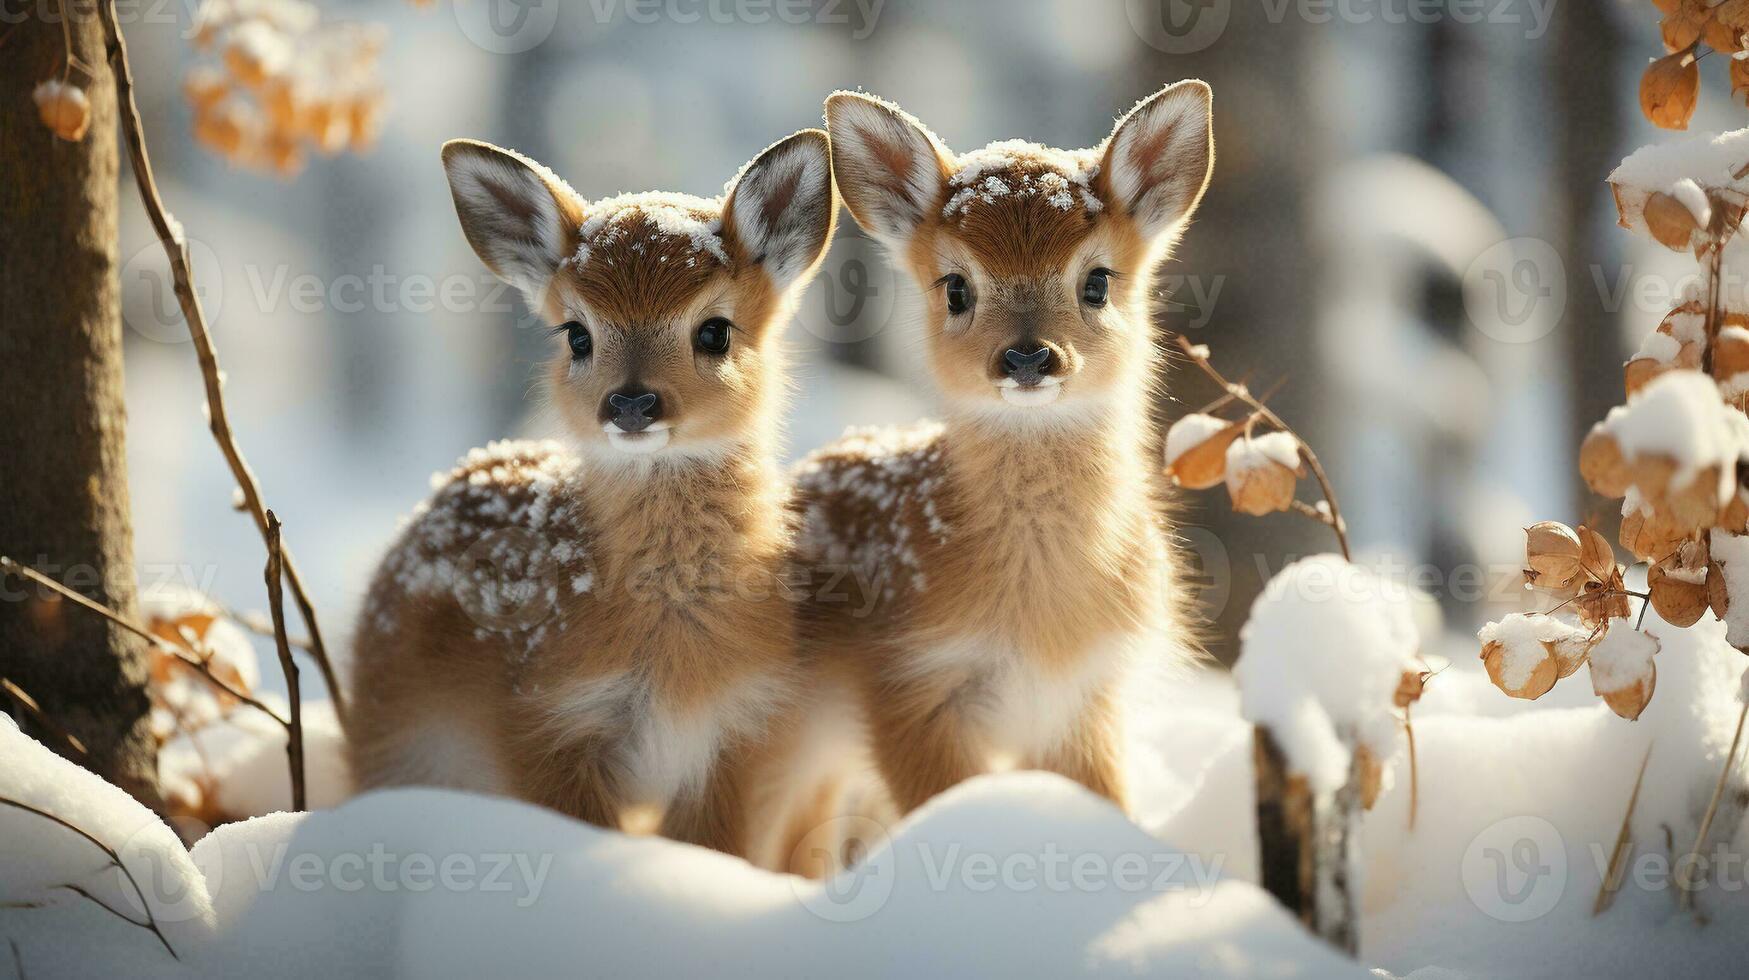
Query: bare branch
point(175, 244)
point(1618, 857)
point(294, 729)
point(185, 655)
point(1199, 357)
point(151, 922)
point(29, 704)
point(1685, 884)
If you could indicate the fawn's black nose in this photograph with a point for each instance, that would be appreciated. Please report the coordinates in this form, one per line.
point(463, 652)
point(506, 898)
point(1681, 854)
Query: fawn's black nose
point(1027, 367)
point(632, 409)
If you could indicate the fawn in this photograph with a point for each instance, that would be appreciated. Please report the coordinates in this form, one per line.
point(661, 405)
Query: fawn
point(605, 630)
point(1011, 560)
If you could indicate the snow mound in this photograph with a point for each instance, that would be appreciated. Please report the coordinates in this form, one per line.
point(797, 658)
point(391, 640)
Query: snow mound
point(1321, 655)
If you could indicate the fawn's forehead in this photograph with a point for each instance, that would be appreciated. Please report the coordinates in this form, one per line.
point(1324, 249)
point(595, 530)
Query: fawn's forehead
point(647, 257)
point(1020, 208)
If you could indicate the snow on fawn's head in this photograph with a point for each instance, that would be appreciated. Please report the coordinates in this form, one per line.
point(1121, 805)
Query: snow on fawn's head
point(666, 308)
point(1037, 263)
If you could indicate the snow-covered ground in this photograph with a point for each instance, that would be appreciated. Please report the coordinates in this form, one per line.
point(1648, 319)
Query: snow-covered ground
point(1016, 874)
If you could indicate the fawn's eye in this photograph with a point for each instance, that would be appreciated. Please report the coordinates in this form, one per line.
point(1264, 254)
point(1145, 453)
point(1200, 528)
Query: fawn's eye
point(577, 335)
point(713, 336)
point(1097, 286)
point(959, 293)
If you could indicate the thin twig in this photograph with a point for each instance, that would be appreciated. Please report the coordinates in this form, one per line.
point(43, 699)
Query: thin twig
point(1414, 769)
point(1334, 522)
point(294, 730)
point(171, 237)
point(29, 704)
point(1618, 857)
point(1684, 884)
point(151, 922)
point(186, 656)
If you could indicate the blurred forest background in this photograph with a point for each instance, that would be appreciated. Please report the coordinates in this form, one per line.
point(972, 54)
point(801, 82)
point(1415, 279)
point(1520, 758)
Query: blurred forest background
point(1408, 232)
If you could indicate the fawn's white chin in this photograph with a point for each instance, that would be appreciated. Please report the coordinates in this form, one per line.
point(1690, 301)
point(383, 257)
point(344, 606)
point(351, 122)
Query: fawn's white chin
point(1043, 394)
point(638, 443)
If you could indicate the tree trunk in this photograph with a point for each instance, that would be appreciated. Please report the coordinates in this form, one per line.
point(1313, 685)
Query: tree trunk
point(64, 492)
point(1306, 845)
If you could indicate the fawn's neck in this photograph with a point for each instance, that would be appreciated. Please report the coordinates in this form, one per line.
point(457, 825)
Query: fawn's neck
point(1079, 475)
point(680, 523)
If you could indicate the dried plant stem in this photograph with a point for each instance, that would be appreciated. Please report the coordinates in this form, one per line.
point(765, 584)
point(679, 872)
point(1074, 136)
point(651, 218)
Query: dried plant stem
point(151, 923)
point(1239, 391)
point(294, 730)
point(1684, 883)
point(293, 726)
point(1619, 856)
point(28, 703)
point(1414, 769)
point(171, 236)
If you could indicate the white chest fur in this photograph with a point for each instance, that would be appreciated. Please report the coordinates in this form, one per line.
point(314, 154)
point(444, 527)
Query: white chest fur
point(1021, 705)
point(656, 750)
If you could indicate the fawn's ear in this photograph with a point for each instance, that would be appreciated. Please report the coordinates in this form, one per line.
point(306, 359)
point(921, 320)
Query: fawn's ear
point(1159, 157)
point(781, 208)
point(521, 219)
point(890, 168)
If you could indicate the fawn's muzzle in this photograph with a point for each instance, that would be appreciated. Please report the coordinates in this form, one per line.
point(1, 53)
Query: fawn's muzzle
point(632, 410)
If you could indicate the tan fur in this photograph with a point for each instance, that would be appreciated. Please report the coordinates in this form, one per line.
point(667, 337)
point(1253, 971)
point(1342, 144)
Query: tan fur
point(602, 633)
point(989, 581)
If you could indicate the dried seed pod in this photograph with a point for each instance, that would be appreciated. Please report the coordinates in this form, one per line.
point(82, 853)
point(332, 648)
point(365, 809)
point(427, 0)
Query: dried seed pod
point(1515, 681)
point(1622, 669)
point(1670, 221)
point(1596, 558)
point(1679, 592)
point(1684, 24)
point(1409, 688)
point(1262, 473)
point(1669, 90)
point(1552, 554)
point(1602, 465)
point(1196, 450)
point(63, 108)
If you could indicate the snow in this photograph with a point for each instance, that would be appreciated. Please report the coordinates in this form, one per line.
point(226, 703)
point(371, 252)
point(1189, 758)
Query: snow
point(1623, 656)
point(697, 220)
point(1706, 159)
point(1731, 553)
point(1016, 874)
point(1018, 168)
point(1189, 432)
point(1320, 658)
point(1679, 415)
point(1279, 448)
point(1694, 199)
point(1683, 168)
